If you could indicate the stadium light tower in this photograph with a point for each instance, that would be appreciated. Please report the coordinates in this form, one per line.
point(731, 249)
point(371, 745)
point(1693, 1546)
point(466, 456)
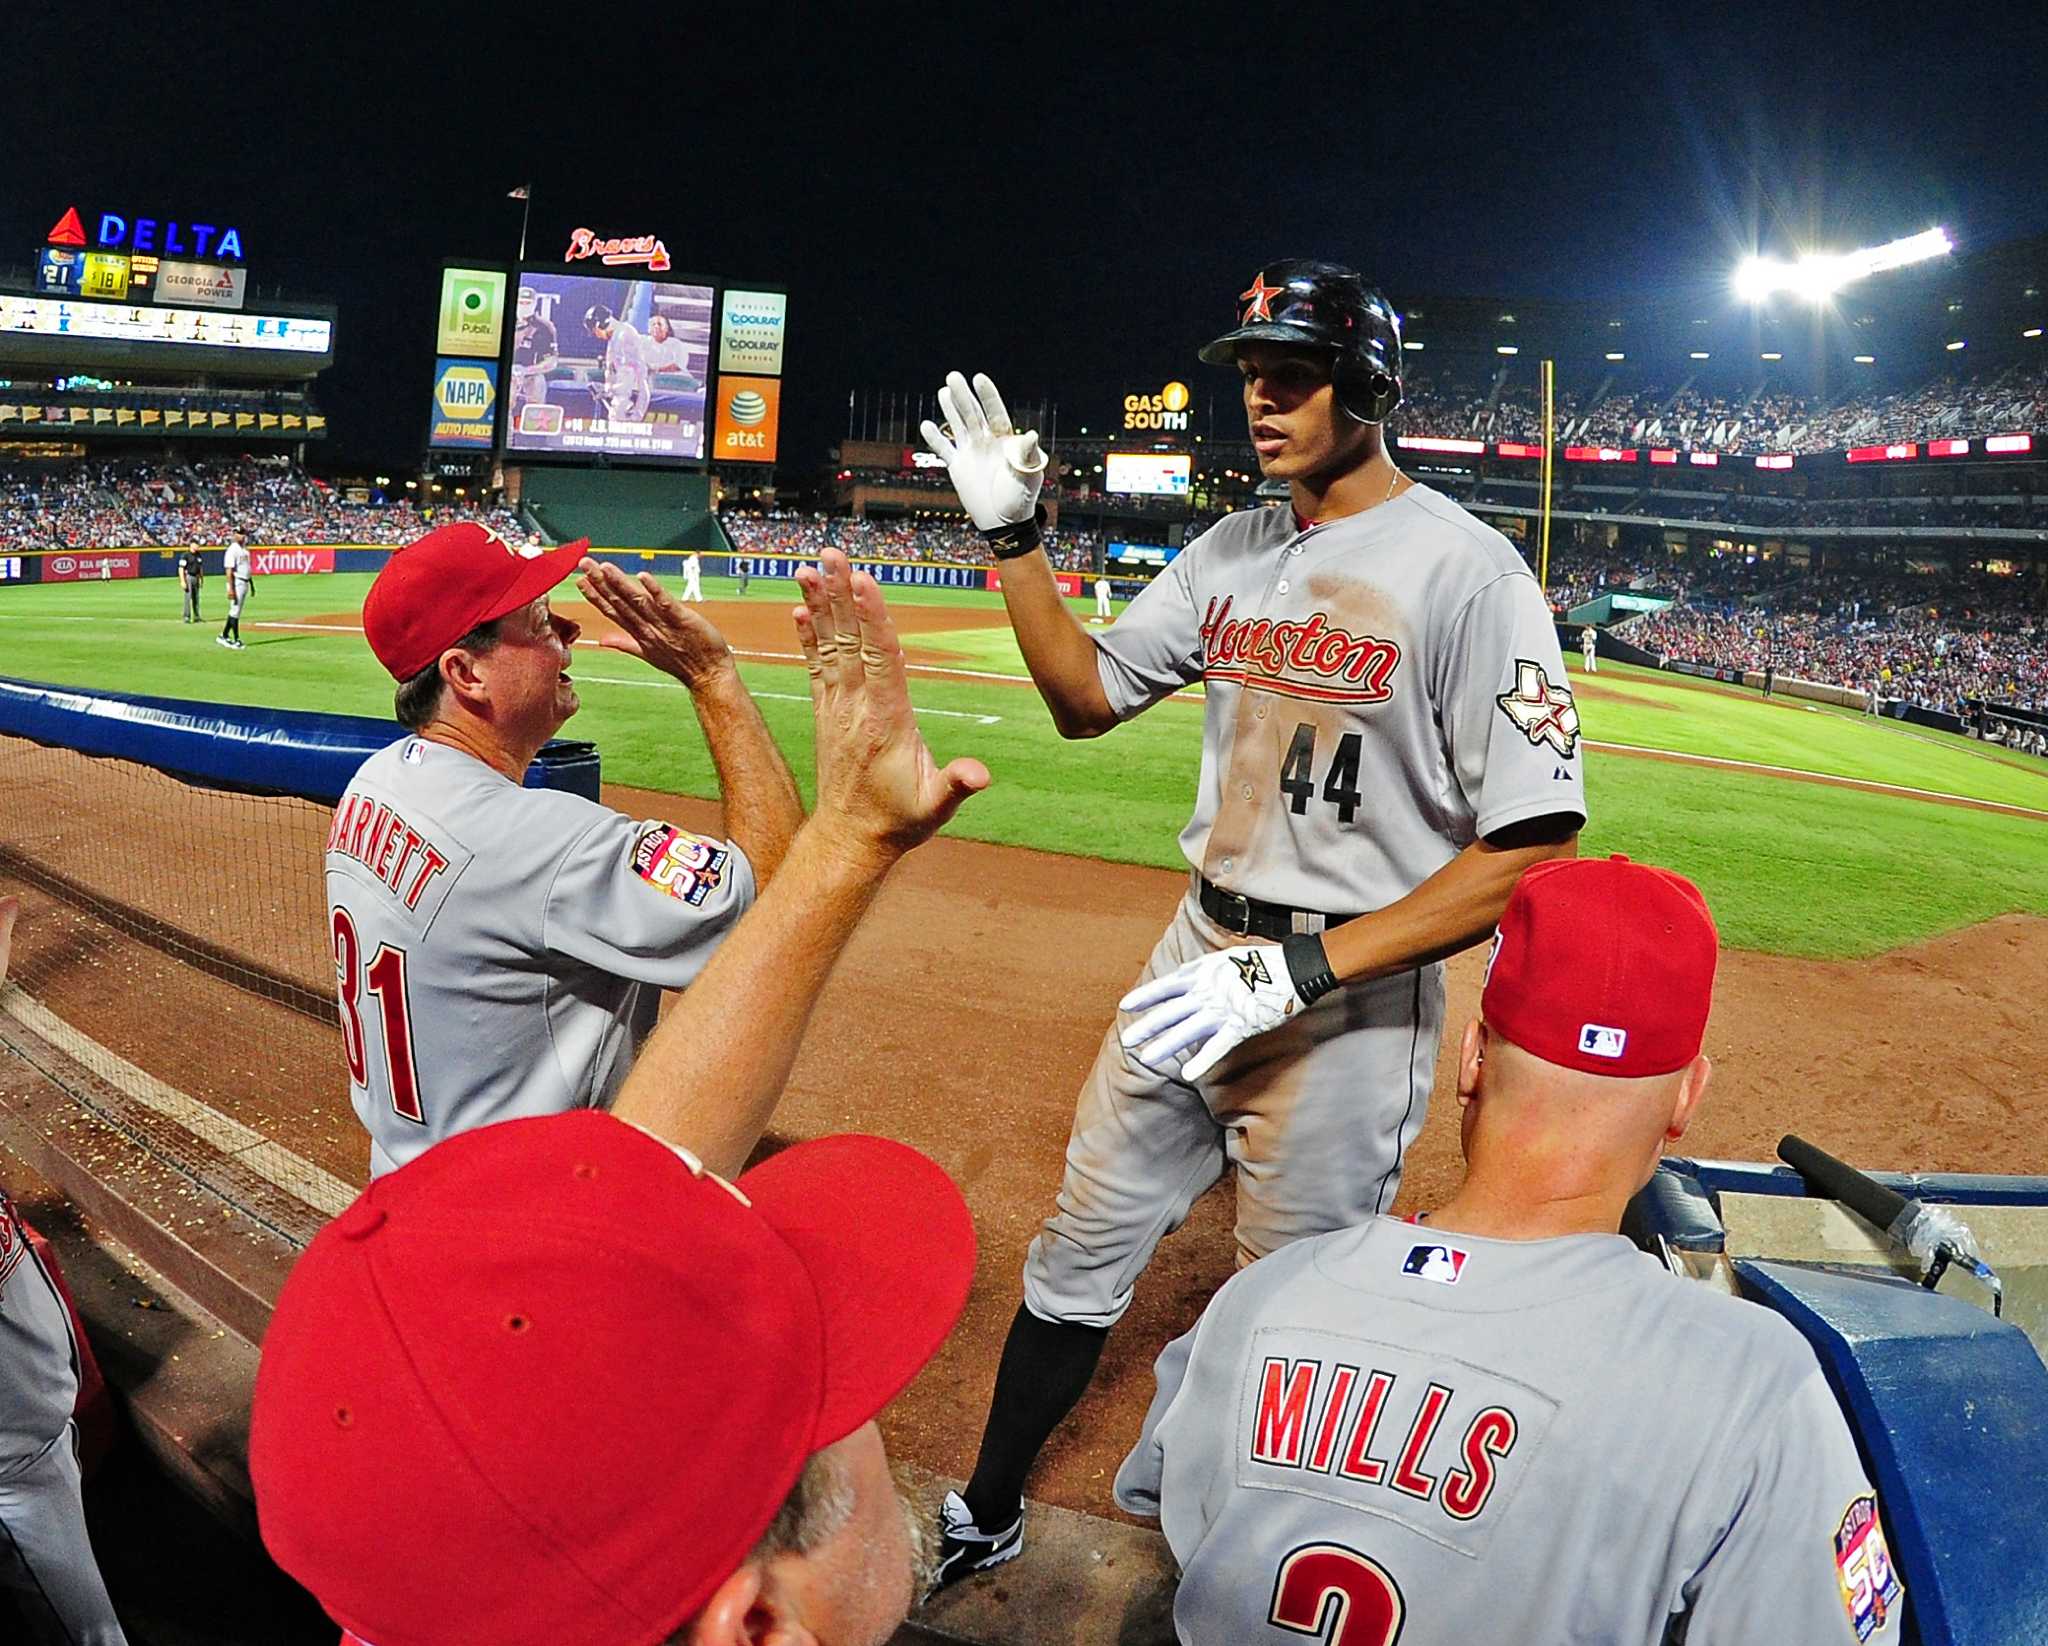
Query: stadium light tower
point(1817, 276)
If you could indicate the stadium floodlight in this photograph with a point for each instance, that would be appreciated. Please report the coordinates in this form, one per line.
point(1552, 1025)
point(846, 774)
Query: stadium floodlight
point(2031, 331)
point(1505, 348)
point(1772, 354)
point(1866, 359)
point(1412, 343)
point(1817, 276)
point(1699, 354)
point(1616, 354)
point(1952, 347)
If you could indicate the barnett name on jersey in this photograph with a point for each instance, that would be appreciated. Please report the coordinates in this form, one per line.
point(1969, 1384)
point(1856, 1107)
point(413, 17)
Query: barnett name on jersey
point(1381, 691)
point(1453, 1439)
point(500, 951)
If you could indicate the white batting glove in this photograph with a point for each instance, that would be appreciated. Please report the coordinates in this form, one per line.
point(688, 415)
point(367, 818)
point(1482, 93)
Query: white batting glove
point(996, 470)
point(1209, 1007)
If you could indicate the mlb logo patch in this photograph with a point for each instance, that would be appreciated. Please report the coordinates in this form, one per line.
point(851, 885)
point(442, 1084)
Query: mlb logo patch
point(1443, 1264)
point(1598, 1040)
point(414, 751)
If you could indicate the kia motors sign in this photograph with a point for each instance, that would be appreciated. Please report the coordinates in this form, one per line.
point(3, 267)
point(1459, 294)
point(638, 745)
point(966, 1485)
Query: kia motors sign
point(81, 568)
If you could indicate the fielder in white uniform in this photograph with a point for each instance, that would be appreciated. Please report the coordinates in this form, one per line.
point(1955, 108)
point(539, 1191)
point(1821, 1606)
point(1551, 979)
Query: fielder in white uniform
point(1102, 600)
point(499, 950)
point(1589, 641)
point(1387, 744)
point(1506, 1422)
point(46, 1556)
point(693, 577)
point(241, 577)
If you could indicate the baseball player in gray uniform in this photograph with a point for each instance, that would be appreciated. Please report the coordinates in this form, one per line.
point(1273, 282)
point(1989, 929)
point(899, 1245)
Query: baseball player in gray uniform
point(1388, 743)
point(241, 577)
point(1504, 1410)
point(499, 950)
point(46, 1556)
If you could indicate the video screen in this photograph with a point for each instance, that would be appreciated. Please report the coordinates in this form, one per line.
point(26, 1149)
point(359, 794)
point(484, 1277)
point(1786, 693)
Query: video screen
point(608, 367)
point(1148, 474)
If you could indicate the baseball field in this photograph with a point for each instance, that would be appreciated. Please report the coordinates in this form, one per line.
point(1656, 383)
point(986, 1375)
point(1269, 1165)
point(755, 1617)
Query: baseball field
point(1882, 894)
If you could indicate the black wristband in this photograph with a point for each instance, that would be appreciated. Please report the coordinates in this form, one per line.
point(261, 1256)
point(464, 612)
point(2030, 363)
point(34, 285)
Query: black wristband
point(1308, 963)
point(1009, 542)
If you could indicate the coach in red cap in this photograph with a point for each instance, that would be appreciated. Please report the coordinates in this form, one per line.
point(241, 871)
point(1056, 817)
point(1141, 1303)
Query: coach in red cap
point(1502, 1409)
point(578, 1378)
point(501, 950)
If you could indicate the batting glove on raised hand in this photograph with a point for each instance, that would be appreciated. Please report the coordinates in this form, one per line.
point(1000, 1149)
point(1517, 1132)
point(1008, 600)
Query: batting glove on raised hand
point(1209, 1007)
point(996, 470)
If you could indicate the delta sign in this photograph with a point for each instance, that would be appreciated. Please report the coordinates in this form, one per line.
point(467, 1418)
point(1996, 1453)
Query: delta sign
point(150, 236)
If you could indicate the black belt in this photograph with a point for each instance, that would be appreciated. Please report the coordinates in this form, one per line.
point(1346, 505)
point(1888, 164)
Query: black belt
point(1248, 917)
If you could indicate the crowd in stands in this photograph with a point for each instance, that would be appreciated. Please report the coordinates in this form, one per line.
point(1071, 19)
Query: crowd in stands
point(944, 541)
point(133, 503)
point(1686, 417)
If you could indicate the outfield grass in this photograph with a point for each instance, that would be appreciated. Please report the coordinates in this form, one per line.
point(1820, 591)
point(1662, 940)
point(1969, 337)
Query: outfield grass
point(1791, 867)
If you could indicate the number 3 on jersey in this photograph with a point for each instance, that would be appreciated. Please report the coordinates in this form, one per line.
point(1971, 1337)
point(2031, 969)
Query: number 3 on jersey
point(384, 978)
point(1337, 1595)
point(1340, 785)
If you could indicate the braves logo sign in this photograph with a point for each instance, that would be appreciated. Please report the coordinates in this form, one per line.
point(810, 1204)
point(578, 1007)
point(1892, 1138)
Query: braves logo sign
point(636, 248)
point(1308, 657)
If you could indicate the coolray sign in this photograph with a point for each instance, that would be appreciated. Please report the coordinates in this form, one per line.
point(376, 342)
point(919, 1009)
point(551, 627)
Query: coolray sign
point(78, 568)
point(1166, 410)
point(159, 236)
point(284, 562)
point(634, 248)
point(202, 285)
point(750, 331)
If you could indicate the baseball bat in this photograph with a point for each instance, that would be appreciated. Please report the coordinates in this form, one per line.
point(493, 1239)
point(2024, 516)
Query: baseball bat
point(1838, 1180)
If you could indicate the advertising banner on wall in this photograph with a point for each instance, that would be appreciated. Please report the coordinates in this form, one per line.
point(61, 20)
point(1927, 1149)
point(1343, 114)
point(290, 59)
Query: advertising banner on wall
point(12, 569)
point(58, 269)
point(284, 562)
point(106, 275)
point(749, 414)
point(465, 403)
point(472, 312)
point(80, 568)
point(750, 331)
point(202, 285)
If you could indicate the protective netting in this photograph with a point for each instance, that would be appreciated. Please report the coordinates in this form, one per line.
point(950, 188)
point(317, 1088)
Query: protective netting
point(172, 943)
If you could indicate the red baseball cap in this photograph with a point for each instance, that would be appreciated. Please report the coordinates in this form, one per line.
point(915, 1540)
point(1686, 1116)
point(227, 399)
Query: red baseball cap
point(438, 587)
point(1603, 965)
point(551, 1380)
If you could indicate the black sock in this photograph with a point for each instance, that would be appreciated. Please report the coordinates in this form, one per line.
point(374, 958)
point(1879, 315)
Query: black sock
point(1045, 1369)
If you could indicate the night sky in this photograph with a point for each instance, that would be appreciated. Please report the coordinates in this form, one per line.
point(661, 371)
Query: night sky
point(1067, 204)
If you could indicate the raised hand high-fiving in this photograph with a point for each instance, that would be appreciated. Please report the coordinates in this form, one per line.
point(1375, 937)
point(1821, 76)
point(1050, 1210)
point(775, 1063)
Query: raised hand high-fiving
point(995, 469)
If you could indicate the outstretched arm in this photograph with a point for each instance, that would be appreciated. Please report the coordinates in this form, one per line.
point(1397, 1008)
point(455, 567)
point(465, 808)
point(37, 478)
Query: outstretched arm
point(762, 809)
point(997, 473)
point(710, 1076)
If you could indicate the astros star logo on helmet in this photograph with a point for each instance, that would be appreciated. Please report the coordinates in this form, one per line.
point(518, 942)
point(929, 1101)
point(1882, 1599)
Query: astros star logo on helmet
point(1258, 299)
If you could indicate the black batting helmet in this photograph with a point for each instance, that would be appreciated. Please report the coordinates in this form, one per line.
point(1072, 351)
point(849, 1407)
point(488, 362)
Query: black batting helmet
point(595, 316)
point(1305, 303)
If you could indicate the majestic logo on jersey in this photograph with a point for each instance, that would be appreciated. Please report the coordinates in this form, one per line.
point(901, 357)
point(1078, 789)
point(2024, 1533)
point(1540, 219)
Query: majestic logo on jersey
point(675, 861)
point(1598, 1040)
point(1863, 1564)
point(1258, 299)
point(1542, 712)
point(1443, 1264)
point(1251, 969)
point(1306, 658)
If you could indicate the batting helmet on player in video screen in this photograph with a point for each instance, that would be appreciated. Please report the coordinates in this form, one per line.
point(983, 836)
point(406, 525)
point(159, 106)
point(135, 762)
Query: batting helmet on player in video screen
point(1305, 303)
point(596, 318)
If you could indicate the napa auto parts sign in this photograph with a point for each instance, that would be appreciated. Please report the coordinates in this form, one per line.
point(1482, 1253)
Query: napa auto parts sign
point(80, 568)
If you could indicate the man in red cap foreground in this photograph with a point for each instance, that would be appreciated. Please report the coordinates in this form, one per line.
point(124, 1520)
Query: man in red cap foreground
point(501, 950)
point(579, 1379)
point(1502, 1420)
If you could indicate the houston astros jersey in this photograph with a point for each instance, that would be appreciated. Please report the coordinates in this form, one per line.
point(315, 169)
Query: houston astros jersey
point(235, 562)
point(1453, 1439)
point(38, 1360)
point(500, 951)
point(1382, 690)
